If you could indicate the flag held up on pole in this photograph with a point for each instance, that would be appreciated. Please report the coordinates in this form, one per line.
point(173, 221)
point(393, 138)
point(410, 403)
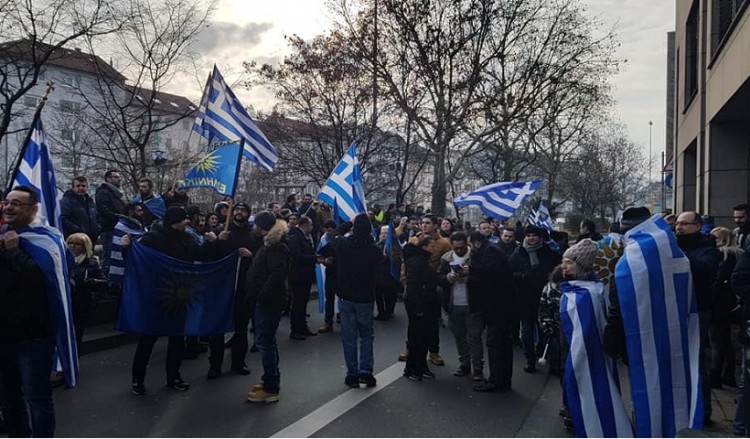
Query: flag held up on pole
point(499, 200)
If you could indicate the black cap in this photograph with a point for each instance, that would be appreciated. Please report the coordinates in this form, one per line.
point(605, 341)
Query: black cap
point(534, 230)
point(174, 215)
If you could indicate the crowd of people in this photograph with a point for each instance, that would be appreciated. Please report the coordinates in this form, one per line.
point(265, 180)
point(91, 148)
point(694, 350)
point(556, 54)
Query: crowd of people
point(497, 285)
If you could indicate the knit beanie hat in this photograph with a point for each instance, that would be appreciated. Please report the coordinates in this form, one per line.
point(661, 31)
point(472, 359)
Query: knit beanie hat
point(174, 215)
point(583, 254)
point(362, 225)
point(265, 220)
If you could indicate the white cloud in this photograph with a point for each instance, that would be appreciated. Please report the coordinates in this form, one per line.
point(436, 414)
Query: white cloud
point(245, 31)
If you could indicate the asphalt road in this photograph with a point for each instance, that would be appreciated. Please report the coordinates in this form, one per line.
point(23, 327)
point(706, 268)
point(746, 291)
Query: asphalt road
point(314, 400)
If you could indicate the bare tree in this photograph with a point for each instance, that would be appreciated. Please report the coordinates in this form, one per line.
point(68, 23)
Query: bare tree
point(152, 47)
point(34, 34)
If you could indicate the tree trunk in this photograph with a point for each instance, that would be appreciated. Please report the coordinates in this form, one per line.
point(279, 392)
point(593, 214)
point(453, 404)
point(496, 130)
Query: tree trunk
point(439, 190)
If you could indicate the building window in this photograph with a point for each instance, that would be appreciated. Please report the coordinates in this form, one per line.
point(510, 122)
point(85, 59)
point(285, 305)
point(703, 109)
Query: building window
point(691, 55)
point(724, 13)
point(69, 106)
point(68, 134)
point(30, 101)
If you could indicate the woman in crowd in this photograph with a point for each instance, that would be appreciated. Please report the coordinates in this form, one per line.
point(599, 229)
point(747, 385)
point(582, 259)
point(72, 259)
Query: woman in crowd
point(89, 280)
point(446, 228)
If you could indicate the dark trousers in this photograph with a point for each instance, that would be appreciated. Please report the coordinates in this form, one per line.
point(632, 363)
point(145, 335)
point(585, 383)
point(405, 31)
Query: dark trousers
point(385, 299)
point(418, 334)
point(175, 351)
point(500, 353)
point(242, 316)
point(704, 363)
point(330, 302)
point(27, 404)
point(434, 316)
point(722, 351)
point(300, 297)
point(266, 324)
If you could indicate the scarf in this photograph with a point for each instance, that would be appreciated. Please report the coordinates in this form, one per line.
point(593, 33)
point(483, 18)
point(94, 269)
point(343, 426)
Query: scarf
point(531, 250)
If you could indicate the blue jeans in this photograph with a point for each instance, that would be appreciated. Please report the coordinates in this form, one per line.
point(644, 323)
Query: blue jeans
point(356, 321)
point(25, 369)
point(266, 324)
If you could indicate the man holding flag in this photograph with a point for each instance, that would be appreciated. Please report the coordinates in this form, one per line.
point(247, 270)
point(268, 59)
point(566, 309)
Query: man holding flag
point(27, 330)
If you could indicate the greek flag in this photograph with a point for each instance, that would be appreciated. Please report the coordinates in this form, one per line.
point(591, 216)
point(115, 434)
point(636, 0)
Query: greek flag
point(320, 275)
point(541, 218)
point(344, 190)
point(392, 251)
point(590, 379)
point(125, 226)
point(46, 247)
point(35, 171)
point(660, 316)
point(499, 200)
point(222, 117)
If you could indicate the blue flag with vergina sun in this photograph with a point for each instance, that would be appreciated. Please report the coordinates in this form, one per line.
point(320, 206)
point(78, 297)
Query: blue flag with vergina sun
point(162, 295)
point(218, 170)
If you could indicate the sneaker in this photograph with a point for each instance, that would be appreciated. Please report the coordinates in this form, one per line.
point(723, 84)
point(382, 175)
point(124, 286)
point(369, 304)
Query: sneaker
point(412, 376)
point(368, 380)
point(485, 388)
point(427, 374)
point(213, 373)
point(178, 384)
point(325, 328)
point(257, 387)
point(477, 375)
point(462, 371)
point(403, 356)
point(241, 369)
point(568, 423)
point(297, 336)
point(436, 359)
point(260, 395)
point(352, 382)
point(138, 389)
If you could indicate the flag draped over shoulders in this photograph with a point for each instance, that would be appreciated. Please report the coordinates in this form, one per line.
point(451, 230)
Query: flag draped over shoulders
point(167, 296)
point(46, 247)
point(124, 226)
point(662, 338)
point(590, 378)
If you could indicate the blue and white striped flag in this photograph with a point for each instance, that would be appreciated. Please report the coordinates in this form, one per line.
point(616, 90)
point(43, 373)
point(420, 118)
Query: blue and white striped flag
point(662, 336)
point(320, 275)
point(541, 218)
point(35, 171)
point(222, 117)
point(344, 190)
point(124, 226)
point(590, 379)
point(499, 200)
point(46, 247)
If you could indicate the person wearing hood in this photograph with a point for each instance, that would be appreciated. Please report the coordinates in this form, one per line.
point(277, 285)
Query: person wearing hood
point(110, 206)
point(266, 290)
point(357, 259)
point(532, 264)
point(78, 211)
point(704, 266)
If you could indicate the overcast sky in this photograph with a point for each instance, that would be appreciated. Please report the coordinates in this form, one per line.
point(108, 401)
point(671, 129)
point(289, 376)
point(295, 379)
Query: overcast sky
point(254, 30)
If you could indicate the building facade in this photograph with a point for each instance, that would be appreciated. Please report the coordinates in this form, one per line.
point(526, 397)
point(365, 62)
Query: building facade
point(711, 106)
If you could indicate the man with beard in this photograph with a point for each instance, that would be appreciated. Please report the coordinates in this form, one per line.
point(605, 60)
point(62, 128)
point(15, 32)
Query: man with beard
point(704, 265)
point(508, 242)
point(532, 264)
point(154, 207)
point(741, 216)
point(245, 242)
point(109, 206)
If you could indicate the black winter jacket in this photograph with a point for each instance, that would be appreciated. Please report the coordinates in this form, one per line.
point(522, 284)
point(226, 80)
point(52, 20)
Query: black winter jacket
point(421, 280)
point(78, 215)
point(24, 307)
point(88, 279)
point(109, 206)
point(267, 278)
point(704, 265)
point(303, 261)
point(241, 237)
point(180, 245)
point(530, 281)
point(741, 283)
point(490, 285)
point(358, 262)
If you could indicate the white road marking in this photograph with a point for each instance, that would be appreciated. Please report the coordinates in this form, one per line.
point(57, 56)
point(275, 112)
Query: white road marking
point(335, 408)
